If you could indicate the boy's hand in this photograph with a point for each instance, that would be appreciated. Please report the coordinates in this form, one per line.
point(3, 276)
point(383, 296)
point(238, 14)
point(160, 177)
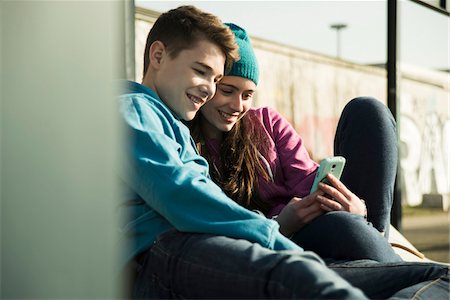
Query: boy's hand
point(338, 197)
point(299, 212)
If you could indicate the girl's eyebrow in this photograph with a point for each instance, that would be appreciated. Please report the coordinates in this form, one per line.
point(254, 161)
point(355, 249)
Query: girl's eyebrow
point(235, 87)
point(229, 85)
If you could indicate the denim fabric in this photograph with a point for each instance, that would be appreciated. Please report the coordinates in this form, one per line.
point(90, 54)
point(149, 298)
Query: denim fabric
point(344, 236)
point(432, 289)
point(366, 137)
point(400, 280)
point(184, 265)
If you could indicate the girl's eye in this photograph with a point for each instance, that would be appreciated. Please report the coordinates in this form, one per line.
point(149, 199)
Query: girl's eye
point(225, 91)
point(247, 96)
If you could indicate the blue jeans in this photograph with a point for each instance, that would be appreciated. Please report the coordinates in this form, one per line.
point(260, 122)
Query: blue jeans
point(192, 266)
point(187, 265)
point(342, 235)
point(405, 280)
point(366, 137)
point(431, 289)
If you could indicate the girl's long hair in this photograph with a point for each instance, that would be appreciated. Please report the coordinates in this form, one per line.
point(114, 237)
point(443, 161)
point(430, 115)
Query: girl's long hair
point(240, 164)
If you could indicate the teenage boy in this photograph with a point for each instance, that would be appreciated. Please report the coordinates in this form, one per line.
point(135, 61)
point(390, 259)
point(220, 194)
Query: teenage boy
point(185, 236)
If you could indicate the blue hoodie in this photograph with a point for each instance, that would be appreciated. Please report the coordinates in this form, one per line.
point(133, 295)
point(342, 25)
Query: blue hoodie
point(169, 184)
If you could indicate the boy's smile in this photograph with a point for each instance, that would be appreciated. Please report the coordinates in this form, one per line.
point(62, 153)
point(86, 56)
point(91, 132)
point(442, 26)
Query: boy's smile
point(187, 81)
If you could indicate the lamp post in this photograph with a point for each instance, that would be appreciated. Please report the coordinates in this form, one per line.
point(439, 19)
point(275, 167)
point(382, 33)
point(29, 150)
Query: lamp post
point(338, 27)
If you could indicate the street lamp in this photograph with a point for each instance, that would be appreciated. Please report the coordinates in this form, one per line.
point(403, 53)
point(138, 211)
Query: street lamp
point(338, 27)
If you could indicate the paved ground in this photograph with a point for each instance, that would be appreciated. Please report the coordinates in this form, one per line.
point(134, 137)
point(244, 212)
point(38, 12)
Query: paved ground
point(428, 230)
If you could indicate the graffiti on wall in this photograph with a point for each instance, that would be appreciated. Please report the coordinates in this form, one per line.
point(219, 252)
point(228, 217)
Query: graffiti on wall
point(424, 149)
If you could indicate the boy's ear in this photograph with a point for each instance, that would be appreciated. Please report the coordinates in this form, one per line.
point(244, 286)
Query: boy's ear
point(157, 52)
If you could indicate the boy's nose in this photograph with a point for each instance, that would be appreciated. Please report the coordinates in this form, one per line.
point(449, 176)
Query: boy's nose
point(208, 90)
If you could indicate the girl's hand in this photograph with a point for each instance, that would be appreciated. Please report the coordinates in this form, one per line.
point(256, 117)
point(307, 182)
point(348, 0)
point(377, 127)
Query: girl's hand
point(299, 212)
point(338, 197)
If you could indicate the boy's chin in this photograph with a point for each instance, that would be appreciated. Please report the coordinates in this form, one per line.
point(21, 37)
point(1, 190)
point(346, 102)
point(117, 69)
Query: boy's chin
point(190, 115)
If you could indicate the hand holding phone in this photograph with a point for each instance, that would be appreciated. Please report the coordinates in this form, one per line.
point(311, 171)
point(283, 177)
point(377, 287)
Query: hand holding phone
point(333, 165)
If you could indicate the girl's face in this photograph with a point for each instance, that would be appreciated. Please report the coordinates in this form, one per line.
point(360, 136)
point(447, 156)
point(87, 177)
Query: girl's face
point(233, 98)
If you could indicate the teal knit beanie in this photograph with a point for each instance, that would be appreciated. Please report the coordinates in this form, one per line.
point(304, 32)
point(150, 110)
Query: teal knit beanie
point(246, 66)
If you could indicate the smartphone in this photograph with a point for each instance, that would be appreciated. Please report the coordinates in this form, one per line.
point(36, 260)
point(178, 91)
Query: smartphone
point(333, 165)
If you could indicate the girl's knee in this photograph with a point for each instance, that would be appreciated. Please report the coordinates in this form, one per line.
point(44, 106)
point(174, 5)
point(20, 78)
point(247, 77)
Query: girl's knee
point(345, 221)
point(366, 104)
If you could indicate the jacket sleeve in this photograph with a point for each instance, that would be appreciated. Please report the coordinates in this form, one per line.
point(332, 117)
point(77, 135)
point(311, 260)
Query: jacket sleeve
point(181, 190)
point(296, 165)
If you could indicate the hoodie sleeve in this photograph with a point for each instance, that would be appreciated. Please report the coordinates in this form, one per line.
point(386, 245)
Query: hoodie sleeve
point(178, 187)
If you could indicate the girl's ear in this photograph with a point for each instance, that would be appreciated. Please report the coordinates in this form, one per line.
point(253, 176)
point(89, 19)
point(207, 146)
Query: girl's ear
point(157, 52)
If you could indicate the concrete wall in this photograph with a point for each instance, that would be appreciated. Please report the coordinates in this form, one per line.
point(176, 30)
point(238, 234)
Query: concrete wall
point(310, 90)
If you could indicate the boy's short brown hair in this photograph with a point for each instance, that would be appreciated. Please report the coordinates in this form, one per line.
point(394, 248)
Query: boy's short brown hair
point(181, 28)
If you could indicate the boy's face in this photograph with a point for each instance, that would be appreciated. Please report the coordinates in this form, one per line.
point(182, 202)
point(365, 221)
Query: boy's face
point(187, 81)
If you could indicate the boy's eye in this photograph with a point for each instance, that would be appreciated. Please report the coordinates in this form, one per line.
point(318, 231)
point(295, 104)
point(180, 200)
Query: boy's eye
point(198, 71)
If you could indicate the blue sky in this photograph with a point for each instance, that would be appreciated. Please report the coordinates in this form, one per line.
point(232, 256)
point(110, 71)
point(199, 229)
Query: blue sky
point(423, 36)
